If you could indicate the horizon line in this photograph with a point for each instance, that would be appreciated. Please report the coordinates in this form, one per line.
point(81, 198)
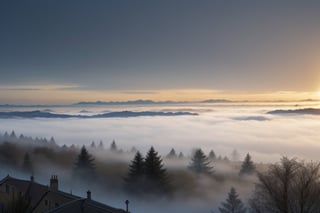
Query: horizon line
point(150, 101)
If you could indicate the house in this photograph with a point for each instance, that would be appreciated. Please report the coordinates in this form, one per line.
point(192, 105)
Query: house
point(86, 206)
point(32, 197)
point(53, 197)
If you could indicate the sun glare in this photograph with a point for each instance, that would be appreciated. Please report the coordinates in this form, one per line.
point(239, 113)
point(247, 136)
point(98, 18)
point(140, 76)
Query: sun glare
point(318, 94)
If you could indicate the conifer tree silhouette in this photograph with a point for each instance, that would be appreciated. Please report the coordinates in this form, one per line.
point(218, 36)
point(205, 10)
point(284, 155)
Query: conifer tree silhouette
point(157, 181)
point(247, 167)
point(84, 165)
point(27, 165)
point(200, 163)
point(136, 175)
point(172, 154)
point(113, 146)
point(212, 155)
point(232, 204)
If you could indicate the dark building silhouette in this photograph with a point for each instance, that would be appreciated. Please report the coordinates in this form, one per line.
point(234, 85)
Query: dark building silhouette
point(40, 198)
point(86, 205)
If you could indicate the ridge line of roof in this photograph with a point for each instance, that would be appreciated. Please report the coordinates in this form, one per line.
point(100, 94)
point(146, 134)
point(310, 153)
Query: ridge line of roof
point(66, 204)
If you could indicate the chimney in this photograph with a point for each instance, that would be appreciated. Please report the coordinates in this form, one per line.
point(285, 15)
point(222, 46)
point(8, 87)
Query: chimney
point(88, 195)
point(31, 178)
point(54, 183)
point(127, 206)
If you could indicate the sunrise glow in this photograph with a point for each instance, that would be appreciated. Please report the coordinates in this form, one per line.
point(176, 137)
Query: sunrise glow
point(176, 106)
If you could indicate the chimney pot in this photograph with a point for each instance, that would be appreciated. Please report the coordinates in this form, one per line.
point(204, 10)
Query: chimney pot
point(54, 184)
point(89, 195)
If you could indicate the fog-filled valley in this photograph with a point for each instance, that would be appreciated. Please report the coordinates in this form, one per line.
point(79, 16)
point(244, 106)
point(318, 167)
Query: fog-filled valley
point(247, 127)
point(222, 134)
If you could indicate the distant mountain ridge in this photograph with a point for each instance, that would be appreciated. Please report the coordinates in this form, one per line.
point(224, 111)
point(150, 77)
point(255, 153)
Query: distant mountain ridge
point(124, 102)
point(216, 101)
point(305, 111)
point(149, 102)
point(146, 102)
point(120, 114)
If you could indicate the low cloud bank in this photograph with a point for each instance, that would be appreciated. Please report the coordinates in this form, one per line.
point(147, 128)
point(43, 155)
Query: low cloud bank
point(248, 129)
point(305, 111)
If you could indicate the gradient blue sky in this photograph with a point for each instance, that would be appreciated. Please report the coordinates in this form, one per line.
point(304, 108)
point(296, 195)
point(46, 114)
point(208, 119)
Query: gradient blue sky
point(144, 46)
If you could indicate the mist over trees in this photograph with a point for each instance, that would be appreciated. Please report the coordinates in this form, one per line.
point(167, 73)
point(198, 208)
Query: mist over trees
point(200, 163)
point(84, 166)
point(147, 176)
point(232, 204)
point(247, 167)
point(212, 155)
point(235, 156)
point(27, 165)
point(157, 180)
point(290, 186)
point(113, 146)
point(172, 154)
point(134, 182)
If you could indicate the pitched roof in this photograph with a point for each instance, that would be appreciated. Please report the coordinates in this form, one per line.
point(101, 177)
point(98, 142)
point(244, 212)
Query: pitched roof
point(32, 190)
point(86, 206)
point(60, 193)
point(37, 192)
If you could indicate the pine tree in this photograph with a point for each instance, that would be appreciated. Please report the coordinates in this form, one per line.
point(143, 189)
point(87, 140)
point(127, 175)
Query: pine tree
point(6, 135)
point(13, 135)
point(84, 165)
point(172, 154)
point(21, 137)
point(93, 145)
point(235, 156)
point(181, 155)
point(52, 141)
point(136, 175)
point(212, 155)
point(200, 163)
point(247, 167)
point(133, 150)
point(113, 146)
point(156, 176)
point(226, 159)
point(101, 146)
point(27, 164)
point(233, 204)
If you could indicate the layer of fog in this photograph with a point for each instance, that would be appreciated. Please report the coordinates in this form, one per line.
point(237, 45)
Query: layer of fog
point(246, 128)
point(192, 193)
point(221, 128)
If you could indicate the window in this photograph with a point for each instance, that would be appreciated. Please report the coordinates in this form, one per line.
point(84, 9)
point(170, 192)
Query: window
point(7, 189)
point(46, 202)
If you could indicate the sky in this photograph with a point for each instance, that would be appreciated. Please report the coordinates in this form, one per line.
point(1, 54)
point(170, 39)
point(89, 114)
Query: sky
point(56, 51)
